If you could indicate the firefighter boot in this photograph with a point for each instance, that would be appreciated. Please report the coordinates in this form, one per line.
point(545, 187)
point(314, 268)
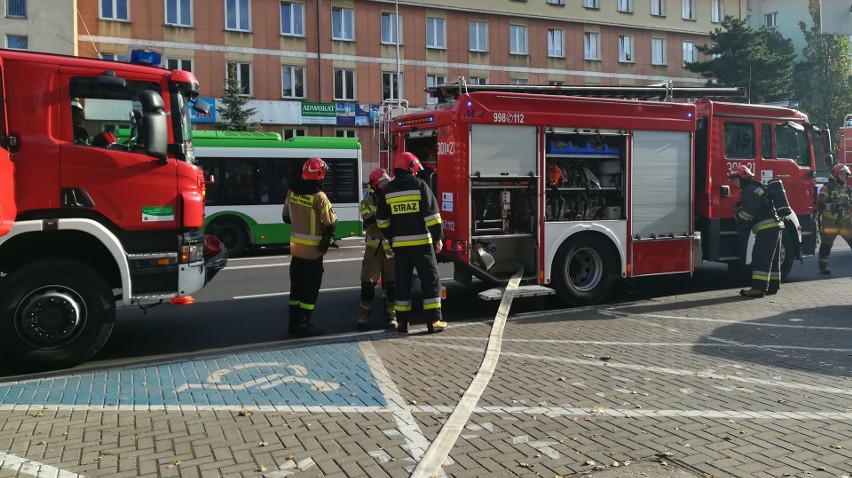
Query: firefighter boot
point(306, 327)
point(402, 318)
point(295, 314)
point(752, 293)
point(435, 324)
point(364, 317)
point(390, 315)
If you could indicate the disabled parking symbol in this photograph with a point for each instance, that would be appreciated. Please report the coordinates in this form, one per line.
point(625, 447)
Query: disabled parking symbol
point(219, 380)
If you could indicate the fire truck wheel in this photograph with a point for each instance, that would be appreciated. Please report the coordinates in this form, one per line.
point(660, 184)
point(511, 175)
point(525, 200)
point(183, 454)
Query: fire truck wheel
point(787, 255)
point(57, 313)
point(232, 233)
point(584, 270)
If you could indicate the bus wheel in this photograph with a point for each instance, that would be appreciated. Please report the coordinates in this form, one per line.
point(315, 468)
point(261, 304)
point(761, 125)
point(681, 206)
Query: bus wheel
point(233, 235)
point(584, 270)
point(55, 312)
point(787, 253)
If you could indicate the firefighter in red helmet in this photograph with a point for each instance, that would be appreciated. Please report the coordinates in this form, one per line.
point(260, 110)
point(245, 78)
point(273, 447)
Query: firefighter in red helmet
point(835, 205)
point(755, 212)
point(312, 222)
point(378, 257)
point(408, 216)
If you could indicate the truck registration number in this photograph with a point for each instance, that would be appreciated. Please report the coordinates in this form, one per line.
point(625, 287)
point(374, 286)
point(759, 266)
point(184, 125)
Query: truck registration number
point(509, 118)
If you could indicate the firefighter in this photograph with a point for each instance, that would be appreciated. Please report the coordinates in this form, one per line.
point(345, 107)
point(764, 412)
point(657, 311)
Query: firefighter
point(755, 211)
point(378, 257)
point(81, 136)
point(312, 222)
point(408, 216)
point(835, 205)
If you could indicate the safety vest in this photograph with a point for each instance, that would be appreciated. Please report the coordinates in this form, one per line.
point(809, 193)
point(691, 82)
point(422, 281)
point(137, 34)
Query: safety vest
point(309, 215)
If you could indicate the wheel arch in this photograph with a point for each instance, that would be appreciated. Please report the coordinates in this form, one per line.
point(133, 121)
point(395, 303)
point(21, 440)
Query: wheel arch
point(615, 237)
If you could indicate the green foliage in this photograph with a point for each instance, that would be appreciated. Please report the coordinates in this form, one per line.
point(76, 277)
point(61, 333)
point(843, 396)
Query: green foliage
point(822, 79)
point(760, 60)
point(236, 116)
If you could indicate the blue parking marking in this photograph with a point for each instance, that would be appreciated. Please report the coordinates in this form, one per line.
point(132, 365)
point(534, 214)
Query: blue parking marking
point(334, 375)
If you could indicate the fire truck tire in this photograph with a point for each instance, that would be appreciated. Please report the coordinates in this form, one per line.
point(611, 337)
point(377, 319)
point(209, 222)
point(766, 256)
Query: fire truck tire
point(787, 255)
point(55, 313)
point(233, 234)
point(584, 270)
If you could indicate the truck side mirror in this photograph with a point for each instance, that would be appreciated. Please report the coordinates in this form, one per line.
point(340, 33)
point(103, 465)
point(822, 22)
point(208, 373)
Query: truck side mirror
point(201, 106)
point(154, 130)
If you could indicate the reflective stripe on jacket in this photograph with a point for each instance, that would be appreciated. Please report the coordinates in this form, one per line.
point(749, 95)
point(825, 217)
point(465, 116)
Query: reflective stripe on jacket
point(407, 212)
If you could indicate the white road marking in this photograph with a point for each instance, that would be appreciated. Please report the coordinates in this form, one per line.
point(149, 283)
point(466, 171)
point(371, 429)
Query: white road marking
point(285, 264)
point(615, 313)
point(23, 467)
point(284, 294)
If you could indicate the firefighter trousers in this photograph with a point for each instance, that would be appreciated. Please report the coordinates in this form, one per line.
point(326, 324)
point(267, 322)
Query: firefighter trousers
point(766, 260)
point(305, 282)
point(406, 260)
point(826, 240)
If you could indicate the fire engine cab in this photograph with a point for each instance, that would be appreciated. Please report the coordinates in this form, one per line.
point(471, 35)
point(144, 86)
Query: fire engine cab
point(580, 186)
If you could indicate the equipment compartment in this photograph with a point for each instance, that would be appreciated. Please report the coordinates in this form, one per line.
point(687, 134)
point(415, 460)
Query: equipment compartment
point(584, 174)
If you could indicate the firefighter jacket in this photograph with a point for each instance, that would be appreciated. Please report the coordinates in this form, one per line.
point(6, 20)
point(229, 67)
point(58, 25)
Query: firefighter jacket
point(310, 215)
point(755, 210)
point(407, 212)
point(374, 238)
point(835, 201)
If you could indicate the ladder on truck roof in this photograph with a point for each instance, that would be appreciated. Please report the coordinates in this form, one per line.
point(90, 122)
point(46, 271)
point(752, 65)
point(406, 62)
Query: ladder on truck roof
point(382, 133)
point(666, 91)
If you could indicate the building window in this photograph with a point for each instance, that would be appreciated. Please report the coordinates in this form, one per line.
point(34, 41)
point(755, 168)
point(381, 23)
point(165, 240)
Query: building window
point(179, 13)
point(432, 81)
point(690, 52)
point(555, 43)
point(293, 19)
point(436, 32)
point(625, 6)
point(658, 8)
point(342, 24)
point(114, 9)
point(592, 4)
point(17, 42)
point(478, 36)
point(391, 86)
point(658, 51)
point(344, 84)
point(16, 8)
point(390, 24)
point(179, 64)
point(688, 9)
point(237, 15)
point(556, 2)
point(346, 133)
point(243, 75)
point(478, 80)
point(292, 82)
point(112, 57)
point(517, 39)
point(717, 12)
point(292, 133)
point(518, 81)
point(770, 20)
point(625, 49)
point(592, 46)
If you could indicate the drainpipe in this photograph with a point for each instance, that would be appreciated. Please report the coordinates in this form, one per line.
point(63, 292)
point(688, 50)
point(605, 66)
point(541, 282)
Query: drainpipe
point(319, 60)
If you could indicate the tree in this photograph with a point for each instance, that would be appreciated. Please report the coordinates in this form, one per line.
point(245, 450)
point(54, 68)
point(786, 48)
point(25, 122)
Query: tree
point(822, 79)
point(761, 60)
point(236, 116)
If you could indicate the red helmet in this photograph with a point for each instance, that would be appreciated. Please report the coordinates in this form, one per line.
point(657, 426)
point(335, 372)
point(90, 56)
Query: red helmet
point(407, 162)
point(839, 168)
point(378, 178)
point(740, 171)
point(314, 169)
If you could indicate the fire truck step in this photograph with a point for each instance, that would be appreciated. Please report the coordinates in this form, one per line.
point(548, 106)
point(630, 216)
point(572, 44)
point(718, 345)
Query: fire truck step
point(523, 291)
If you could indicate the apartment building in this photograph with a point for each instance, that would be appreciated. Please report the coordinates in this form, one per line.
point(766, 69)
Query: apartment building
point(322, 67)
point(38, 25)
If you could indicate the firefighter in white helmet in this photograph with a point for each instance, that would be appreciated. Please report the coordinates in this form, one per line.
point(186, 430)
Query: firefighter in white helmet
point(378, 257)
point(407, 214)
point(835, 205)
point(756, 212)
point(312, 223)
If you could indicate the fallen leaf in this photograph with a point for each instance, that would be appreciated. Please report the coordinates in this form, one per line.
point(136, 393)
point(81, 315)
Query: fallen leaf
point(262, 469)
point(588, 356)
point(836, 447)
point(524, 465)
point(291, 457)
point(38, 414)
point(590, 463)
point(244, 413)
point(606, 358)
point(263, 443)
point(599, 410)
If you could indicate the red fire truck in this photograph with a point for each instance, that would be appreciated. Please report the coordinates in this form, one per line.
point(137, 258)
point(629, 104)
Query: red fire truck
point(581, 186)
point(93, 224)
point(844, 141)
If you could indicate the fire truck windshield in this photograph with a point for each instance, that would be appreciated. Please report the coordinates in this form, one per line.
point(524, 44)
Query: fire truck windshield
point(183, 131)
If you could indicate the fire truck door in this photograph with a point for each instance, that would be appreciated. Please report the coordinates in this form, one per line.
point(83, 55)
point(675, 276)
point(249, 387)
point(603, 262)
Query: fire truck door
point(661, 206)
point(7, 168)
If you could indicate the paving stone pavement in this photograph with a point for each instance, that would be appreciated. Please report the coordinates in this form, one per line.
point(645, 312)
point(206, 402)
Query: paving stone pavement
point(706, 384)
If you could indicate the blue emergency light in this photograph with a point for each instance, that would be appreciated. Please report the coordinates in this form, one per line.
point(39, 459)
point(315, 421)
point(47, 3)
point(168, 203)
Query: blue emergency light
point(145, 57)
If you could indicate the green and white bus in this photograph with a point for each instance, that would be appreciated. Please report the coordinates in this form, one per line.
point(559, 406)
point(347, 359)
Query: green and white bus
point(252, 174)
